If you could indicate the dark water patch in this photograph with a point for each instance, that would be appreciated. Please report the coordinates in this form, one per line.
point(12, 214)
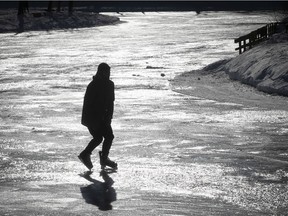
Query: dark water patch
point(154, 67)
point(36, 130)
point(171, 44)
point(12, 80)
point(77, 87)
point(14, 93)
point(141, 86)
point(4, 91)
point(11, 117)
point(245, 24)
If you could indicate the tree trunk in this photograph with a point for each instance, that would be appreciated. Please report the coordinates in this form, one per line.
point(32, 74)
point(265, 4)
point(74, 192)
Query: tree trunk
point(22, 8)
point(70, 8)
point(58, 6)
point(50, 5)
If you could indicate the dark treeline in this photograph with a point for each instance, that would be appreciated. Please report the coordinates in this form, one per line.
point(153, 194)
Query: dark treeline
point(143, 6)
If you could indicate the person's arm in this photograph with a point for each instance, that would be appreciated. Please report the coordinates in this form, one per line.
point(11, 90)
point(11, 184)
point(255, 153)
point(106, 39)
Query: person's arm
point(110, 103)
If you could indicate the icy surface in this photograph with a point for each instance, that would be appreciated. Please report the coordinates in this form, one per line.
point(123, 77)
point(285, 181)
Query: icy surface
point(210, 148)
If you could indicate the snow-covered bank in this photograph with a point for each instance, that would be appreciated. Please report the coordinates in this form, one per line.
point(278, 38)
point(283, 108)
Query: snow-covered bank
point(38, 20)
point(264, 67)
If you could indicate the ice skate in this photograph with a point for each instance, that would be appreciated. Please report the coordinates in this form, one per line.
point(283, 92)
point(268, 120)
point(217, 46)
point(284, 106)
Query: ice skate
point(107, 162)
point(86, 160)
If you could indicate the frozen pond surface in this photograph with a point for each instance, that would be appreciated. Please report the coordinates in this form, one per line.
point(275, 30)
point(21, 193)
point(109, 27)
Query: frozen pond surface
point(178, 154)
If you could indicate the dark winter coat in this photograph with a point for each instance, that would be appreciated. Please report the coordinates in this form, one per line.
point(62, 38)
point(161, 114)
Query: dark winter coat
point(98, 103)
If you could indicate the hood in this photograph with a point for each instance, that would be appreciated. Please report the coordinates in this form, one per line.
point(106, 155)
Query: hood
point(103, 72)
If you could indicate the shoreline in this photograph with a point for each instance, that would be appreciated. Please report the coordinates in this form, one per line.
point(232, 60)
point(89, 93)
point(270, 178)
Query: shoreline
point(257, 74)
point(40, 20)
point(218, 87)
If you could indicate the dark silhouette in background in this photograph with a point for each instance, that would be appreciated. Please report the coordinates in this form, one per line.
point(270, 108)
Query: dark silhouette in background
point(51, 3)
point(23, 7)
point(140, 6)
point(97, 114)
point(100, 194)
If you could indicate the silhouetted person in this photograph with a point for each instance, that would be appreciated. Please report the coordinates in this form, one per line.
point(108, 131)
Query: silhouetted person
point(97, 115)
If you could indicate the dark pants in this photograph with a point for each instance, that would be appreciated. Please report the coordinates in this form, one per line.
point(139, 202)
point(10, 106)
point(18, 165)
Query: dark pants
point(102, 131)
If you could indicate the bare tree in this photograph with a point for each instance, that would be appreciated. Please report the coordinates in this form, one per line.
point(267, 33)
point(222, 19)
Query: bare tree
point(58, 6)
point(70, 8)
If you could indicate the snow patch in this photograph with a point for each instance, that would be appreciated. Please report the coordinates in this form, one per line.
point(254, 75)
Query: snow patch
point(264, 67)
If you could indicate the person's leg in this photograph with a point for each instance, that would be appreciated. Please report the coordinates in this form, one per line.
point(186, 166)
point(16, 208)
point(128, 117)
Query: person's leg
point(85, 154)
point(108, 139)
point(96, 141)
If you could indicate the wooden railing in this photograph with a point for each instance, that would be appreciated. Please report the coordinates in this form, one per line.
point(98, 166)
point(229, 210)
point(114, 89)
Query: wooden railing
point(246, 42)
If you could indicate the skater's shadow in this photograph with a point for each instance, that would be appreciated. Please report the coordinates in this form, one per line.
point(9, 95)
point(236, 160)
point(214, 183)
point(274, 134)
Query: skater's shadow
point(100, 194)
